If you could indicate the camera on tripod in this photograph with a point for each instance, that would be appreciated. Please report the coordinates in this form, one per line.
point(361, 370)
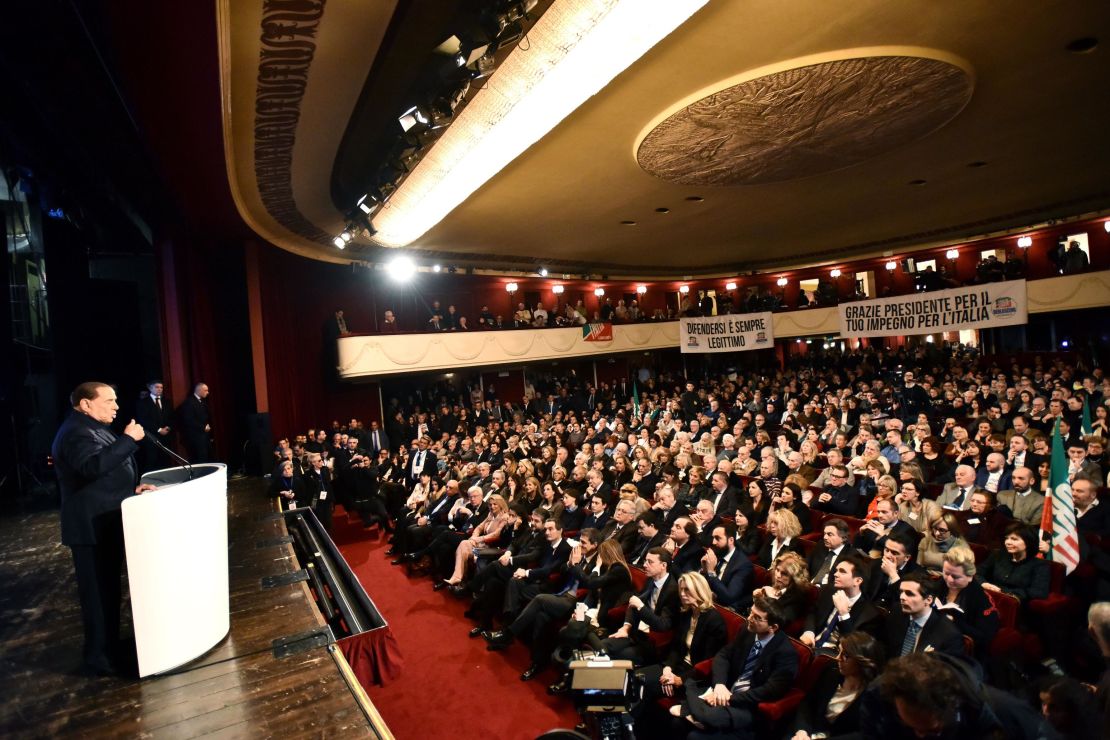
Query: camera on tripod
point(604, 692)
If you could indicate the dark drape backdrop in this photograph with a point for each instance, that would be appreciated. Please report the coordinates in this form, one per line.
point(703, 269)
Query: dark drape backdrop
point(211, 310)
point(299, 296)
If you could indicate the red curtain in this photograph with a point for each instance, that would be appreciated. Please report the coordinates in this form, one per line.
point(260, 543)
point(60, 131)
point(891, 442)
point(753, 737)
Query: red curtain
point(373, 656)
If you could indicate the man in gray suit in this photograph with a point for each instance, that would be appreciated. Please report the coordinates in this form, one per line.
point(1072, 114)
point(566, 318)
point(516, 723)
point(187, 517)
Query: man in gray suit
point(957, 495)
point(1024, 503)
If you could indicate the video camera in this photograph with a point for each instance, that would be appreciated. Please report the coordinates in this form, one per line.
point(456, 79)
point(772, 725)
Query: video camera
point(604, 692)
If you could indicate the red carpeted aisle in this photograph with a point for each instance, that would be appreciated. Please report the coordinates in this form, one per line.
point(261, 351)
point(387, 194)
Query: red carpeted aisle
point(451, 686)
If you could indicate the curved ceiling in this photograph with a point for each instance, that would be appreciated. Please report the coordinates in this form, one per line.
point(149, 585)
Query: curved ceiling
point(1004, 128)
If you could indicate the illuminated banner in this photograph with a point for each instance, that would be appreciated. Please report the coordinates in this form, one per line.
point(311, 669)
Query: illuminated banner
point(971, 307)
point(729, 333)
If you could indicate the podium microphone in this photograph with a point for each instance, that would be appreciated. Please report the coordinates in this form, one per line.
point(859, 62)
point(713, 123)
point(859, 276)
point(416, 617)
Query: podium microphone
point(185, 463)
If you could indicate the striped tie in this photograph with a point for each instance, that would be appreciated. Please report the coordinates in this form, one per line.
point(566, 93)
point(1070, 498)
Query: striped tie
point(745, 681)
point(910, 641)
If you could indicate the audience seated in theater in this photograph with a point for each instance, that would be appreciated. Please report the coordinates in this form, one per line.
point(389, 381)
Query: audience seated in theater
point(982, 523)
point(963, 600)
point(728, 570)
point(832, 705)
point(782, 529)
point(653, 609)
point(945, 532)
point(1016, 570)
point(841, 609)
point(872, 536)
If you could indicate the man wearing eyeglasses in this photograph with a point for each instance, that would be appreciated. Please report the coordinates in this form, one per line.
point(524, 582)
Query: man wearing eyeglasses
point(838, 497)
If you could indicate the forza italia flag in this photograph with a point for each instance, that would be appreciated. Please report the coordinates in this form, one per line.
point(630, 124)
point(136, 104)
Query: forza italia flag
point(1058, 518)
point(597, 332)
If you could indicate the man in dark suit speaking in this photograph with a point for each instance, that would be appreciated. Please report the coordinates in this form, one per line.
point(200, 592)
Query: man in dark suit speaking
point(96, 472)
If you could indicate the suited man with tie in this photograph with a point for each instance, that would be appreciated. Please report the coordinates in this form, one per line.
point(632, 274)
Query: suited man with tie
point(651, 535)
point(832, 549)
point(655, 609)
point(957, 495)
point(898, 561)
point(841, 609)
point(376, 439)
point(422, 459)
point(598, 514)
point(196, 427)
point(527, 583)
point(918, 628)
point(155, 415)
point(320, 484)
point(723, 496)
point(758, 666)
point(622, 528)
point(728, 572)
point(96, 472)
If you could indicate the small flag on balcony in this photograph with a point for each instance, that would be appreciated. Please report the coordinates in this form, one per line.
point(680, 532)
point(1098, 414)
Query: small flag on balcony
point(597, 332)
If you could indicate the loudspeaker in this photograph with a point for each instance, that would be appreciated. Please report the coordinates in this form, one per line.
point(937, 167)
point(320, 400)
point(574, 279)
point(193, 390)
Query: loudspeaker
point(259, 458)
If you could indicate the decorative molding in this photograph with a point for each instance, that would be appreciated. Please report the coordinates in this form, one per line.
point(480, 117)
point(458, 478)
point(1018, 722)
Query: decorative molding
point(1068, 292)
point(805, 121)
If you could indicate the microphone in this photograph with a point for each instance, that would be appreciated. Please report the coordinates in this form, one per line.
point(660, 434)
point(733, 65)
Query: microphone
point(185, 463)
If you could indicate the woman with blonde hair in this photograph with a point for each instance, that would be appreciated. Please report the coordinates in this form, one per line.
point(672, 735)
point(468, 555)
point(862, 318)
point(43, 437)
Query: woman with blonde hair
point(789, 586)
point(699, 632)
point(944, 534)
point(885, 489)
point(487, 533)
point(782, 527)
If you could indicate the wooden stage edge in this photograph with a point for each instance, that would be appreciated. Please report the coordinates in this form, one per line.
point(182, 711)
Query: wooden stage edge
point(237, 689)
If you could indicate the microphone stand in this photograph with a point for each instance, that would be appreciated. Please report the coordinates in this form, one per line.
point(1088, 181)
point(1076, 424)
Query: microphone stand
point(185, 463)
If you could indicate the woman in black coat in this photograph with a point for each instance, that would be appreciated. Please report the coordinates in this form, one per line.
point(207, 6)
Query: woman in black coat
point(702, 624)
point(1017, 571)
point(965, 602)
point(832, 704)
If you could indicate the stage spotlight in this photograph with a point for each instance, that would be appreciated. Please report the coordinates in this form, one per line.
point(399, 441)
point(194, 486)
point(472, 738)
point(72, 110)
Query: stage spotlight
point(401, 269)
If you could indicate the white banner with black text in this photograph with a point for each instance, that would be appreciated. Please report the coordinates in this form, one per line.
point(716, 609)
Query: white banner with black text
point(728, 333)
point(971, 307)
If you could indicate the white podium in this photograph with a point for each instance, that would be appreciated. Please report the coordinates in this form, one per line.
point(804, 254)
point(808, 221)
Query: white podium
point(176, 539)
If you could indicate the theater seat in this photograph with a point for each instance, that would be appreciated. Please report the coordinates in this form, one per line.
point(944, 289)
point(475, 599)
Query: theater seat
point(1057, 604)
point(1008, 640)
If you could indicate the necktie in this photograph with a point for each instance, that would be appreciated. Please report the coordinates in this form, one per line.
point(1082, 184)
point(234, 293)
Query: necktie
point(158, 402)
point(910, 641)
point(959, 502)
point(745, 681)
point(828, 630)
point(721, 566)
point(823, 572)
point(377, 441)
point(654, 595)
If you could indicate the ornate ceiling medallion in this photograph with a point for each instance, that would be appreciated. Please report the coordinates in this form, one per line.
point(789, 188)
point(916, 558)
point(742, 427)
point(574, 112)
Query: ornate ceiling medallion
point(805, 121)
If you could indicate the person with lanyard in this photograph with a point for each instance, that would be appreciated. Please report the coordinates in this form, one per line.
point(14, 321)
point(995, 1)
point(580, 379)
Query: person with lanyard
point(319, 481)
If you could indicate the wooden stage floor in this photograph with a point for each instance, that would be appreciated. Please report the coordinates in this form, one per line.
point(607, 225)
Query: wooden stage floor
point(239, 689)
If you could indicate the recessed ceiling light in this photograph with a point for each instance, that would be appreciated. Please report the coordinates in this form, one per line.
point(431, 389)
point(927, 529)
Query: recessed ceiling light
point(976, 164)
point(662, 210)
point(1082, 45)
point(628, 223)
point(918, 182)
point(694, 198)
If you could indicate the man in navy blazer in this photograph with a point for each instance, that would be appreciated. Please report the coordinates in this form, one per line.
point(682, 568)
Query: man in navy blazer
point(527, 583)
point(994, 475)
point(729, 572)
point(96, 471)
point(760, 665)
point(656, 607)
point(931, 630)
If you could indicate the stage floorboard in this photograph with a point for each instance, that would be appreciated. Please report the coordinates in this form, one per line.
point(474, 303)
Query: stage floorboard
point(237, 689)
